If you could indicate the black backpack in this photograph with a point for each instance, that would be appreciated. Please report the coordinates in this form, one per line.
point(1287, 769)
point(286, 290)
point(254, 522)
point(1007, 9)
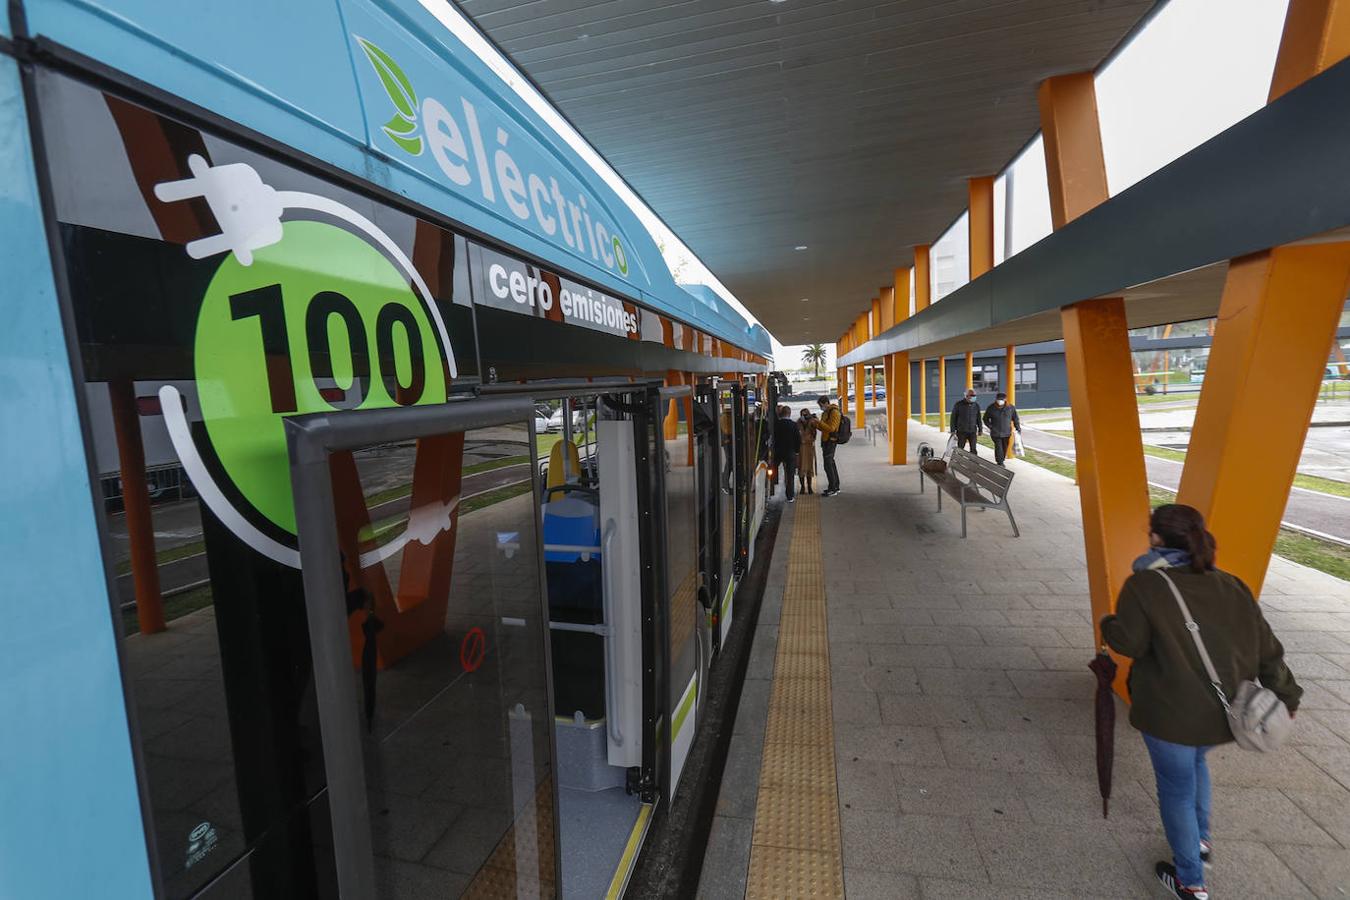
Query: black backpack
point(845, 432)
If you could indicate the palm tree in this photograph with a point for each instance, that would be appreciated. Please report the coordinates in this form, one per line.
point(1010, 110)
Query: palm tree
point(815, 355)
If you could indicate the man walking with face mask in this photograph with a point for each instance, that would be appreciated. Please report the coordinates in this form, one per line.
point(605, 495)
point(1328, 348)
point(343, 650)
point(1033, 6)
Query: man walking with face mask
point(966, 421)
point(1001, 418)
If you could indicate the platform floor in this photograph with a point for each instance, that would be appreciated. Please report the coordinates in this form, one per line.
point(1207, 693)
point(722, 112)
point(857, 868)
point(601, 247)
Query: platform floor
point(963, 722)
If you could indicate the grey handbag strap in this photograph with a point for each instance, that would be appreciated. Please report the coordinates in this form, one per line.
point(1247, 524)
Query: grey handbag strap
point(1194, 629)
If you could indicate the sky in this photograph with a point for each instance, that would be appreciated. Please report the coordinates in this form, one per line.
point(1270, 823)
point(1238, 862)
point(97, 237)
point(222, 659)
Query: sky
point(1196, 68)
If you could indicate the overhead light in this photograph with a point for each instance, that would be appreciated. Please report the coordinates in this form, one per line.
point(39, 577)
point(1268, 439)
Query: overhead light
point(799, 247)
point(805, 299)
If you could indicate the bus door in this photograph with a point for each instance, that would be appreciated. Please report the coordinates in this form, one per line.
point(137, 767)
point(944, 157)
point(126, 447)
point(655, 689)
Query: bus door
point(742, 467)
point(595, 521)
point(689, 638)
point(727, 562)
point(707, 473)
point(421, 563)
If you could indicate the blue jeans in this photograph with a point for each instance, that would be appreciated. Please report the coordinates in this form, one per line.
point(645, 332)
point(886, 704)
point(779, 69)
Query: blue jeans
point(1183, 799)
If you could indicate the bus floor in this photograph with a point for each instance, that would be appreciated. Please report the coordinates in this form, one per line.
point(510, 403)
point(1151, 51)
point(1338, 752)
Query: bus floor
point(595, 831)
point(961, 706)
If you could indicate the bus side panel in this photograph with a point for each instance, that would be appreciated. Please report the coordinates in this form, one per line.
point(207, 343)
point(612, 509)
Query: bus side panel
point(72, 820)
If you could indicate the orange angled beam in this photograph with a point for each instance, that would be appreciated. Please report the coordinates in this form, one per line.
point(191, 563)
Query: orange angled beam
point(888, 319)
point(1279, 309)
point(876, 316)
point(1075, 165)
point(923, 285)
point(1112, 483)
point(901, 289)
point(981, 196)
point(1109, 449)
point(1316, 36)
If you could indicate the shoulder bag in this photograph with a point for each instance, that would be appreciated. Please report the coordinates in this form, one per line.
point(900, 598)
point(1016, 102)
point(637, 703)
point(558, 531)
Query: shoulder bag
point(1257, 717)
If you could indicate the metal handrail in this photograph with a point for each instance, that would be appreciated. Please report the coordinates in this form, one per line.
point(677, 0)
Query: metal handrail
point(609, 565)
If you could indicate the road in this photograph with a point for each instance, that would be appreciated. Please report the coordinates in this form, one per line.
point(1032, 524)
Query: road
point(1324, 514)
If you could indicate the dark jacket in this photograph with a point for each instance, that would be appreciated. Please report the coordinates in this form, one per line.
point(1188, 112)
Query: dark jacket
point(1001, 420)
point(966, 417)
point(1170, 694)
point(787, 440)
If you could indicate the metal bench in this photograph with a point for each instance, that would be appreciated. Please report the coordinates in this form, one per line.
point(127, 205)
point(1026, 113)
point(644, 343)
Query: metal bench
point(877, 427)
point(971, 481)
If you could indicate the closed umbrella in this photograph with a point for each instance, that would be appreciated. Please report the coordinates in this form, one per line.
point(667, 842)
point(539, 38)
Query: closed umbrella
point(1104, 667)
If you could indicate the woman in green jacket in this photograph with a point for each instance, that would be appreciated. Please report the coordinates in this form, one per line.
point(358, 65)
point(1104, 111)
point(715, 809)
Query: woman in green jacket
point(1171, 699)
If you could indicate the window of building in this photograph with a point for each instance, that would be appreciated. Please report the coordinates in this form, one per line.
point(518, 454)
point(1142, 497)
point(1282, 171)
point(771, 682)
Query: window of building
point(1024, 376)
point(984, 378)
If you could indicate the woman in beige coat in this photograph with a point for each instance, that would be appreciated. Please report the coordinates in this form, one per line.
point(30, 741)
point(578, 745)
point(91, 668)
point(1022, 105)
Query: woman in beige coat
point(806, 463)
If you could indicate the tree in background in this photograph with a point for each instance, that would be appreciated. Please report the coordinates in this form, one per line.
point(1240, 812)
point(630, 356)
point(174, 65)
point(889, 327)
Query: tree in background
point(814, 355)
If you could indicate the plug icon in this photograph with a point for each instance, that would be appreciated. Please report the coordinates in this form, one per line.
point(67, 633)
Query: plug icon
point(247, 210)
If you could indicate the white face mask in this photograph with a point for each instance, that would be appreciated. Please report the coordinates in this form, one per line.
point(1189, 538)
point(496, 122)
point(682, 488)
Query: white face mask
point(1001, 402)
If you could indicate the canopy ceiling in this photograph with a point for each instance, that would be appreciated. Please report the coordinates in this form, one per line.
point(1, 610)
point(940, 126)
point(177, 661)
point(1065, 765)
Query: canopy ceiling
point(845, 126)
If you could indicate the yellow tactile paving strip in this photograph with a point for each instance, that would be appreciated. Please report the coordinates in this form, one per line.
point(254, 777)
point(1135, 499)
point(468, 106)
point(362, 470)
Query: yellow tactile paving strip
point(795, 849)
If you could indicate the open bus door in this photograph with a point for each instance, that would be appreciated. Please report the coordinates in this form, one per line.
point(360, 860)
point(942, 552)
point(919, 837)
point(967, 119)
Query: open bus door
point(427, 617)
point(688, 639)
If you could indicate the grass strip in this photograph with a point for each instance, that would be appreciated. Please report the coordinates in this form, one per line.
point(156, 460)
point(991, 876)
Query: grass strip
point(162, 557)
point(495, 496)
point(175, 607)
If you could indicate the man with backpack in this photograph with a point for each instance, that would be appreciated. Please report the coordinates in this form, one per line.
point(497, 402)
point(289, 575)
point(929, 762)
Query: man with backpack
point(835, 429)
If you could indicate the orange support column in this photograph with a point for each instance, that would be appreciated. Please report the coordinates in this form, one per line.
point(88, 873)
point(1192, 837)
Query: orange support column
point(1010, 362)
point(1112, 482)
point(1075, 167)
point(1278, 311)
point(981, 241)
point(861, 419)
point(923, 285)
point(923, 392)
point(136, 507)
point(970, 370)
point(842, 384)
point(897, 408)
point(942, 393)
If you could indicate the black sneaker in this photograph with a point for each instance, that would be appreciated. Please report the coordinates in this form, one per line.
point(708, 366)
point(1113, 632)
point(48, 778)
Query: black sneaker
point(828, 492)
point(1206, 850)
point(1167, 874)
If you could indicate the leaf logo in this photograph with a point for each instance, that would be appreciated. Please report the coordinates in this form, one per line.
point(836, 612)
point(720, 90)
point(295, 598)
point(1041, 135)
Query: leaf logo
point(402, 128)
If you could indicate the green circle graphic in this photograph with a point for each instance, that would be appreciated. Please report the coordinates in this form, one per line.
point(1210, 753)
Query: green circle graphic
point(237, 382)
point(620, 256)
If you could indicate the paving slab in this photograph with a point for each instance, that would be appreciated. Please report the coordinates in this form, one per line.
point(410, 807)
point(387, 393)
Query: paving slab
point(964, 721)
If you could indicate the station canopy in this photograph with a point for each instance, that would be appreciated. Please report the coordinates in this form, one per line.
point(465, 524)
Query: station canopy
point(848, 128)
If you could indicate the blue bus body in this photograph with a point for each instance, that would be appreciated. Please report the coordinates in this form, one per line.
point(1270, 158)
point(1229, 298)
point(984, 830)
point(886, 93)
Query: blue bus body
point(380, 92)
